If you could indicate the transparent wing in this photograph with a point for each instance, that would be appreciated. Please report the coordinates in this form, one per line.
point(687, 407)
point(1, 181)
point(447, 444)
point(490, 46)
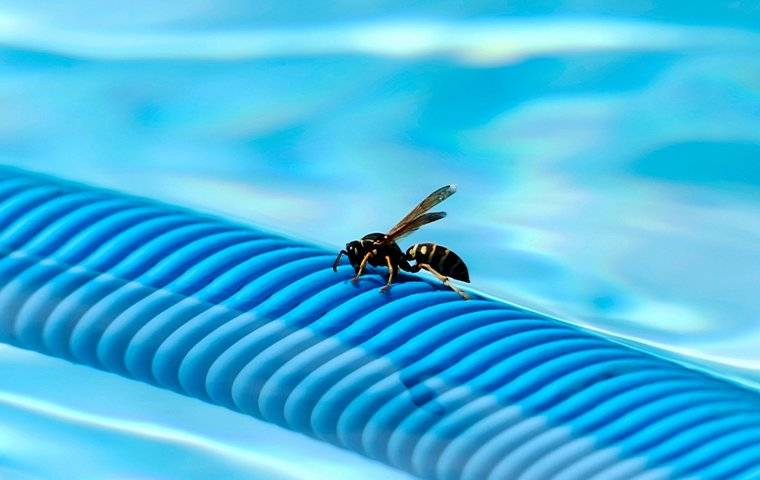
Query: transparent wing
point(423, 219)
point(410, 222)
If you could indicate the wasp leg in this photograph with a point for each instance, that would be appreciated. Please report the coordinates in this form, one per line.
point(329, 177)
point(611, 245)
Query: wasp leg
point(405, 266)
point(337, 260)
point(390, 275)
point(444, 279)
point(360, 270)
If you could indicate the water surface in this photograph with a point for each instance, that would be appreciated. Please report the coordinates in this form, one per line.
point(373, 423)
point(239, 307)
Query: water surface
point(607, 158)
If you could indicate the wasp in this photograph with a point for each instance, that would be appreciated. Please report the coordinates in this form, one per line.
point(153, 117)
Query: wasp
point(381, 249)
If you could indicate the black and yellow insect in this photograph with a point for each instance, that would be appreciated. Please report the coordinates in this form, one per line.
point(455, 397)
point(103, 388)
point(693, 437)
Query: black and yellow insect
point(381, 249)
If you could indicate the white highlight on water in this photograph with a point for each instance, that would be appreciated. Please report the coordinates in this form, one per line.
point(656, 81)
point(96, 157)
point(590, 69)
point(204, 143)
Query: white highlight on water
point(483, 41)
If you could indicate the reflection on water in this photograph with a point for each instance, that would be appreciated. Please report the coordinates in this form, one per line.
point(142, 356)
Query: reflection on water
point(608, 162)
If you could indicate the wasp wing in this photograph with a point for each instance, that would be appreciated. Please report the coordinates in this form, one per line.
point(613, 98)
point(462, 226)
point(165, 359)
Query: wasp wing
point(421, 220)
point(410, 222)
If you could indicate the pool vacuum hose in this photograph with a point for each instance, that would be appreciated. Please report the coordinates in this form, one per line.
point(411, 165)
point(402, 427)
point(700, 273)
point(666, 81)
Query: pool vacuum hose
point(416, 378)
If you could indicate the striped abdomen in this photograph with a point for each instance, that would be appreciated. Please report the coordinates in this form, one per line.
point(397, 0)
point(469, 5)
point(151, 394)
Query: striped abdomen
point(441, 259)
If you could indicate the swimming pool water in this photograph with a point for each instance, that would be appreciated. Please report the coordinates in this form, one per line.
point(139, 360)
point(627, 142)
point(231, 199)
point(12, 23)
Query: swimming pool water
point(608, 159)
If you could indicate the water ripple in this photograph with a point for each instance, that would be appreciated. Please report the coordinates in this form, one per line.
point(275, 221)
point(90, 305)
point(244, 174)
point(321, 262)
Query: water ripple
point(483, 42)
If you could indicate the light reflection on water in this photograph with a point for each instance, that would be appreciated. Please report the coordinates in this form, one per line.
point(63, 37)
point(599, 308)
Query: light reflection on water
point(608, 162)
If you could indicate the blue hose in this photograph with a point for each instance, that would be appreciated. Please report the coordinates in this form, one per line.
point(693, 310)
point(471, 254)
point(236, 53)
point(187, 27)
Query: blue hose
point(416, 378)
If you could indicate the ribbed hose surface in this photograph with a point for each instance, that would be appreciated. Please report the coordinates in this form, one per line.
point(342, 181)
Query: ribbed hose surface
point(418, 379)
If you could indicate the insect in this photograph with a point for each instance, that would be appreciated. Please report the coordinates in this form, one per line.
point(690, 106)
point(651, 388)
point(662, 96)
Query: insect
point(381, 249)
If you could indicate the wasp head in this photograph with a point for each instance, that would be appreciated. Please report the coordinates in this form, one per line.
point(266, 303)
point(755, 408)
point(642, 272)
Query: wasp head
point(355, 253)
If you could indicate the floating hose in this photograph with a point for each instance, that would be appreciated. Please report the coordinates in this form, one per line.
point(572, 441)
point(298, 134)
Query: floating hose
point(416, 378)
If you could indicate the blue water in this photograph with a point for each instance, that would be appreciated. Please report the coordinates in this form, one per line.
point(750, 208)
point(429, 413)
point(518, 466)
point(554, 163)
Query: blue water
point(607, 158)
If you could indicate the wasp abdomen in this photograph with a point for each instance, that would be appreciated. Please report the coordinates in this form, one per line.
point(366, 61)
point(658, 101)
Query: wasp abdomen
point(443, 260)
